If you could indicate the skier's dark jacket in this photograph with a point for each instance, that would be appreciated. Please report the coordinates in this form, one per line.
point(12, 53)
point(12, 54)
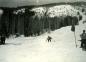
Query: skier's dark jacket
point(83, 36)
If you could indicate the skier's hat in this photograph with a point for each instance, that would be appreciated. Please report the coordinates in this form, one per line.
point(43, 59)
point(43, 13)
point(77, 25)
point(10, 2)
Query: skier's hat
point(83, 30)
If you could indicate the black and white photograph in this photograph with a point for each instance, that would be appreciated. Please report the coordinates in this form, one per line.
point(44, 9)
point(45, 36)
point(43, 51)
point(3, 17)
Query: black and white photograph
point(42, 30)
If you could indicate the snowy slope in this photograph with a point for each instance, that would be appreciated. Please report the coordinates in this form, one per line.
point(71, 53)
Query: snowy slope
point(37, 49)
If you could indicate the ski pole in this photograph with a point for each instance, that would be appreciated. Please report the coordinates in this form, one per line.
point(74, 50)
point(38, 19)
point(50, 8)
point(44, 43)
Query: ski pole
point(75, 39)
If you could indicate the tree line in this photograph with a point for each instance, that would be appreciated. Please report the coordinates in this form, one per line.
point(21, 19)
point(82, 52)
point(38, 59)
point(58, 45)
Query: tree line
point(28, 24)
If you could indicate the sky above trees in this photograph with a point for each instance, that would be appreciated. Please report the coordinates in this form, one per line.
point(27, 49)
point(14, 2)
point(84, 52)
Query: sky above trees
point(14, 3)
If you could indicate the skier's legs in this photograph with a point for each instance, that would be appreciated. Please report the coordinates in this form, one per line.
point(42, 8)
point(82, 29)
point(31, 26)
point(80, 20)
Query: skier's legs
point(50, 40)
point(82, 43)
point(85, 43)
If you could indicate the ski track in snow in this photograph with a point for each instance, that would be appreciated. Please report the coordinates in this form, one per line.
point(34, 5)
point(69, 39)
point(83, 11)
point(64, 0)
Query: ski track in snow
point(37, 49)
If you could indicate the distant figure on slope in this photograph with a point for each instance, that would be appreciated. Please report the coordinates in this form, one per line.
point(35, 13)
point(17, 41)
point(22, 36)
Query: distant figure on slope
point(2, 39)
point(83, 39)
point(49, 38)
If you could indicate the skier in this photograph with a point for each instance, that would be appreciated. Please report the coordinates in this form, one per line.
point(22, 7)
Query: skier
point(83, 39)
point(49, 39)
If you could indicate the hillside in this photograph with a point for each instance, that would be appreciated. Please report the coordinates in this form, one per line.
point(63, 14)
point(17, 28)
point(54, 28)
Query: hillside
point(30, 49)
point(36, 22)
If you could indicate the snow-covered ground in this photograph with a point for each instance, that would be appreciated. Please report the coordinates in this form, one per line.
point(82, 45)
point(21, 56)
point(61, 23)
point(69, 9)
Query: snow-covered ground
point(37, 49)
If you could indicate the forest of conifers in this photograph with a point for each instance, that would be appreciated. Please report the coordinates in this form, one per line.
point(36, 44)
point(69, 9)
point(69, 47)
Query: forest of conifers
point(27, 25)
